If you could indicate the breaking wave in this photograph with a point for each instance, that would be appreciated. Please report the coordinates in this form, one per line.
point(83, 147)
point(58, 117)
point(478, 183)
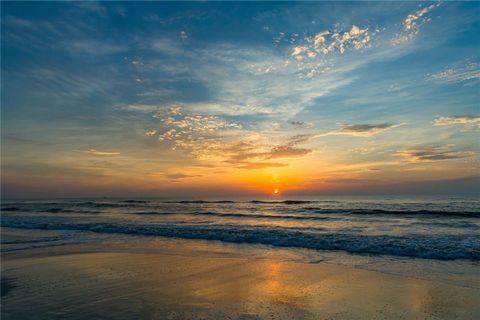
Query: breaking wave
point(443, 247)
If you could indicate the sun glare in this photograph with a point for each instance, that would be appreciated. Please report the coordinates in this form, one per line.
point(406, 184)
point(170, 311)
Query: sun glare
point(275, 191)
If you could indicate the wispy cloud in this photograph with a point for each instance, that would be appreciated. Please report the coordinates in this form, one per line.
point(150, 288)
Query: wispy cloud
point(96, 48)
point(62, 84)
point(287, 151)
point(360, 130)
point(412, 25)
point(459, 72)
point(91, 6)
point(464, 120)
point(144, 108)
point(261, 165)
point(226, 109)
point(156, 93)
point(99, 153)
point(300, 124)
point(176, 176)
point(279, 151)
point(433, 153)
point(167, 46)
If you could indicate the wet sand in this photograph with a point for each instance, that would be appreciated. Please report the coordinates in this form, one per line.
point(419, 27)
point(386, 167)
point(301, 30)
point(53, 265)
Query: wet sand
point(176, 280)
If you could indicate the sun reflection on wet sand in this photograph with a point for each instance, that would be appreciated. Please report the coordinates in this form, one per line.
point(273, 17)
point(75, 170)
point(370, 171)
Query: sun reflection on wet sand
point(179, 284)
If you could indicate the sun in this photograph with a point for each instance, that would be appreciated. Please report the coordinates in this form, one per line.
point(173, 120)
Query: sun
point(275, 191)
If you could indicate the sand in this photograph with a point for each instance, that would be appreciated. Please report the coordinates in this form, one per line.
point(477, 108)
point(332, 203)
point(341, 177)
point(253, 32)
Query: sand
point(179, 279)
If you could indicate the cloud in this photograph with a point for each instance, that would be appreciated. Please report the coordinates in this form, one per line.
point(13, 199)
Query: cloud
point(157, 93)
point(99, 153)
point(247, 150)
point(412, 25)
point(261, 165)
point(60, 83)
point(145, 108)
point(228, 109)
point(347, 181)
point(300, 124)
point(286, 151)
point(457, 73)
point(360, 130)
point(229, 71)
point(446, 121)
point(194, 123)
point(96, 48)
point(19, 23)
point(199, 135)
point(252, 153)
point(151, 133)
point(202, 108)
point(299, 138)
point(166, 46)
point(432, 153)
point(91, 6)
point(326, 42)
point(174, 176)
point(299, 50)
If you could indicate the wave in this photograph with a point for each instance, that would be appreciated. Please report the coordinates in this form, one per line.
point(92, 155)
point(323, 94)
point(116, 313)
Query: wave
point(438, 246)
point(77, 208)
point(11, 209)
point(282, 201)
point(234, 215)
point(48, 210)
point(135, 201)
point(93, 204)
point(473, 214)
point(200, 201)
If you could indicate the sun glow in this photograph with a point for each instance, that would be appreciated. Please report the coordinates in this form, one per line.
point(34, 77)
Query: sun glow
point(275, 191)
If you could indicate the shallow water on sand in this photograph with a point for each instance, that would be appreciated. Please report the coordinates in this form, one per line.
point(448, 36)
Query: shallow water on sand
point(143, 277)
point(440, 229)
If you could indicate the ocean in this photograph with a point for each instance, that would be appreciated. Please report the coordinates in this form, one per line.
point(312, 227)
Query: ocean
point(427, 228)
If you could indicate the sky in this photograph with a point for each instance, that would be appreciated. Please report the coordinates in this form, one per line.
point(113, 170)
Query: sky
point(225, 99)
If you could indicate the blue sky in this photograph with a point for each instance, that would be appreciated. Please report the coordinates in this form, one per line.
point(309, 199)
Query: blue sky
point(156, 98)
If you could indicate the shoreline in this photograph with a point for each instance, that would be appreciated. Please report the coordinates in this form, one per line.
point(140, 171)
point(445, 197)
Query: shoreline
point(149, 277)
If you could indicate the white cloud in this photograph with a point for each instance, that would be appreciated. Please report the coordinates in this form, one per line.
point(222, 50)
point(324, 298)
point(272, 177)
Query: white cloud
point(298, 50)
point(412, 24)
point(460, 72)
point(319, 39)
point(326, 42)
point(146, 108)
point(464, 120)
point(195, 133)
point(151, 133)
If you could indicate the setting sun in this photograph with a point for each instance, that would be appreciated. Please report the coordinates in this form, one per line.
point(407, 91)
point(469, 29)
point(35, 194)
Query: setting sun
point(275, 191)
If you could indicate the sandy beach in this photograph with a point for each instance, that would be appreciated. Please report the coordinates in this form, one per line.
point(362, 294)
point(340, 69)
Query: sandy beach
point(157, 278)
